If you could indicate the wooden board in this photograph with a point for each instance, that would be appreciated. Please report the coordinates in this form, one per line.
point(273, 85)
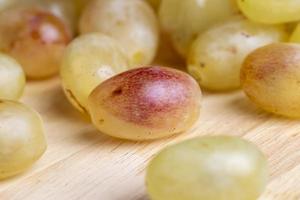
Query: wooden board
point(82, 164)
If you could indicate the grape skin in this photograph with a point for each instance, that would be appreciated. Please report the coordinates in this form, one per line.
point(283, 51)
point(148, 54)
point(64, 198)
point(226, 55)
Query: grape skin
point(12, 78)
point(216, 57)
point(146, 103)
point(64, 9)
point(22, 140)
point(271, 11)
point(132, 22)
point(184, 20)
point(89, 60)
point(35, 38)
point(270, 77)
point(208, 168)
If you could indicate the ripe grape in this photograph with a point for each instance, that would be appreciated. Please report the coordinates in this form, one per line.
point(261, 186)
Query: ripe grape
point(64, 9)
point(12, 78)
point(217, 55)
point(270, 77)
point(184, 20)
point(22, 140)
point(271, 11)
point(132, 22)
point(145, 103)
point(35, 38)
point(208, 168)
point(89, 60)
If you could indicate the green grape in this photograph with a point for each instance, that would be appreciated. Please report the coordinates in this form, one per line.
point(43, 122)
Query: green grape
point(184, 20)
point(22, 140)
point(12, 78)
point(132, 22)
point(208, 168)
point(295, 37)
point(217, 55)
point(89, 60)
point(35, 38)
point(270, 77)
point(271, 11)
point(145, 103)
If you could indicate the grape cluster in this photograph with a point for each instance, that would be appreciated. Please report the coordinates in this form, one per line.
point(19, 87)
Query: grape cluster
point(108, 54)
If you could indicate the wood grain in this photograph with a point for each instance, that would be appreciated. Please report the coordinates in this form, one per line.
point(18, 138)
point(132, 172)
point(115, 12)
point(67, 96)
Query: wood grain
point(83, 164)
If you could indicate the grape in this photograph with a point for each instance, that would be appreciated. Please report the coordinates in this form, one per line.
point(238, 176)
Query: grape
point(295, 37)
point(64, 9)
point(217, 55)
point(208, 168)
point(145, 103)
point(271, 11)
point(89, 60)
point(35, 38)
point(22, 140)
point(131, 22)
point(184, 20)
point(271, 76)
point(12, 78)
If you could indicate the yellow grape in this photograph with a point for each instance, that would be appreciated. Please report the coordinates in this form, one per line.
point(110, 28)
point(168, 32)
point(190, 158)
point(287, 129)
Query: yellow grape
point(12, 78)
point(132, 22)
point(271, 11)
point(146, 103)
point(35, 38)
point(185, 19)
point(270, 77)
point(208, 168)
point(89, 60)
point(22, 140)
point(216, 57)
point(64, 9)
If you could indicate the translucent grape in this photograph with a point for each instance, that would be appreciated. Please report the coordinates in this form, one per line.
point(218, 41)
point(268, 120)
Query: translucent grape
point(89, 60)
point(145, 103)
point(35, 38)
point(22, 140)
point(12, 78)
point(184, 20)
point(64, 9)
point(271, 76)
point(132, 22)
point(208, 168)
point(217, 55)
point(271, 11)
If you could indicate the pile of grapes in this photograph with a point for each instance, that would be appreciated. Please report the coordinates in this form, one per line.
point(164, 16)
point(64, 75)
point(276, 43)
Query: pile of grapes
point(109, 55)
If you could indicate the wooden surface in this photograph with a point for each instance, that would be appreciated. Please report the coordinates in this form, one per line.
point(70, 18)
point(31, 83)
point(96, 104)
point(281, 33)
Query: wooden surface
point(82, 164)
